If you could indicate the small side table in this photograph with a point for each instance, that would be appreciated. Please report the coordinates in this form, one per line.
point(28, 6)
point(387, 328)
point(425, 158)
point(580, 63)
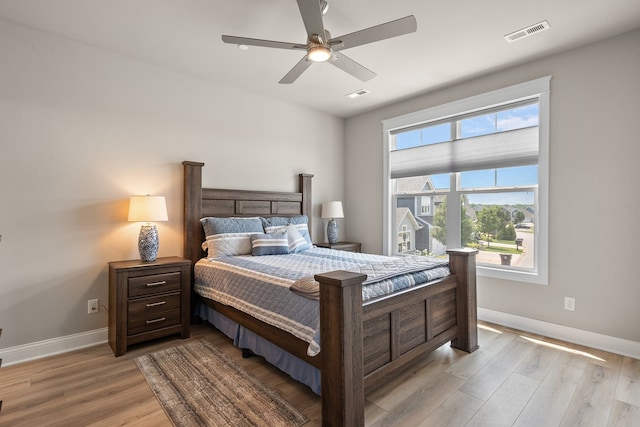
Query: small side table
point(341, 246)
point(148, 300)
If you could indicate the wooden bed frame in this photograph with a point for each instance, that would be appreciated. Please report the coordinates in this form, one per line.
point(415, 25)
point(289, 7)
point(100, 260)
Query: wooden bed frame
point(362, 345)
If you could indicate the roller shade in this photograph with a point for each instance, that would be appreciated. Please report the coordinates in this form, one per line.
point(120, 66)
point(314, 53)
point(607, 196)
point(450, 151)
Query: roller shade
point(504, 149)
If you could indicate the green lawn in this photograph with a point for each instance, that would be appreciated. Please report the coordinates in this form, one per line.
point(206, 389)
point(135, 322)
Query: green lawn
point(498, 246)
point(502, 249)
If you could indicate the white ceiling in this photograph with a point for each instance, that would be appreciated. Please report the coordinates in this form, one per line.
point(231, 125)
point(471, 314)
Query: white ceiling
point(455, 40)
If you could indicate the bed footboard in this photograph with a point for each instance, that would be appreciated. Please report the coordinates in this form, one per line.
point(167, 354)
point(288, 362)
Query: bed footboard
point(364, 346)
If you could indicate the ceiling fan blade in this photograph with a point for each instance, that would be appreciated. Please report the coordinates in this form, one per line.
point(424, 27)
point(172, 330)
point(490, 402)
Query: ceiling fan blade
point(384, 31)
point(312, 17)
point(352, 67)
point(296, 71)
point(262, 43)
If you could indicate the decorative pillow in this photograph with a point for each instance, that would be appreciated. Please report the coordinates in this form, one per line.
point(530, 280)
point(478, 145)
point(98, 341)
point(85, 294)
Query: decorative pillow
point(297, 243)
point(229, 236)
point(271, 224)
point(269, 244)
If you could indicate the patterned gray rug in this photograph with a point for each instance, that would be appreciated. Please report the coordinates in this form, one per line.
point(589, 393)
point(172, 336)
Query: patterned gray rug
point(198, 385)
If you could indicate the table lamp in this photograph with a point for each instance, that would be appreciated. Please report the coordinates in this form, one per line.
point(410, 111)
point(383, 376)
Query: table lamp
point(147, 209)
point(332, 210)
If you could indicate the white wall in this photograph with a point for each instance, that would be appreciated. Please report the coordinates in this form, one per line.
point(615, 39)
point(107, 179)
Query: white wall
point(594, 176)
point(82, 129)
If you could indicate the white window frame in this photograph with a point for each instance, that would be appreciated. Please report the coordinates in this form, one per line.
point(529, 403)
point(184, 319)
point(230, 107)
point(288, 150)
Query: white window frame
point(539, 87)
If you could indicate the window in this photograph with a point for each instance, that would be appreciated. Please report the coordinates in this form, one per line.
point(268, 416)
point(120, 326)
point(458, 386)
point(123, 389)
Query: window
point(425, 205)
point(475, 173)
point(404, 239)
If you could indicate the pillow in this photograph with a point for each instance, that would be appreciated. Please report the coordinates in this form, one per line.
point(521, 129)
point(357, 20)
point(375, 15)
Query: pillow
point(269, 244)
point(297, 243)
point(229, 236)
point(214, 225)
point(229, 244)
point(273, 223)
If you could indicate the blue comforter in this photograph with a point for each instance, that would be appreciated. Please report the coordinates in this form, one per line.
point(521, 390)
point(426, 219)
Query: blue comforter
point(260, 285)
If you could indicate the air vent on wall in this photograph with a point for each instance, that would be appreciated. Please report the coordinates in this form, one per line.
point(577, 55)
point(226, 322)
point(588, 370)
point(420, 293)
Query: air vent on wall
point(526, 32)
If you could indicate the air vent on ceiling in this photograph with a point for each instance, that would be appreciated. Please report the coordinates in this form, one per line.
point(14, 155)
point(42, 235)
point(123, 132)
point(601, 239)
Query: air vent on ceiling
point(526, 32)
point(357, 93)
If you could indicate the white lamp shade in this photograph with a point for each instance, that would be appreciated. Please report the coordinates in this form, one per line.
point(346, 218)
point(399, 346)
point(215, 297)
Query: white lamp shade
point(332, 210)
point(147, 208)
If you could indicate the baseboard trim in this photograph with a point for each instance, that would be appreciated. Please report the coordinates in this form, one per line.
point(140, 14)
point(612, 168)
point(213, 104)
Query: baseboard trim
point(577, 336)
point(50, 347)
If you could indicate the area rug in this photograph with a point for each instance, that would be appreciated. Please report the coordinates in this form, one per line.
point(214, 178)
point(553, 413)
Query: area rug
point(198, 385)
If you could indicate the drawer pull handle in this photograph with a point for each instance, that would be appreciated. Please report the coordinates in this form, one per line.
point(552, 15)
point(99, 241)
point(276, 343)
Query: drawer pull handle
point(149, 285)
point(156, 320)
point(155, 304)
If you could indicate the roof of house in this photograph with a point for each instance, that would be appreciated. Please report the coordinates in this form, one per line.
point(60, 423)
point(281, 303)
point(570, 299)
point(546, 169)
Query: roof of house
point(405, 213)
point(414, 184)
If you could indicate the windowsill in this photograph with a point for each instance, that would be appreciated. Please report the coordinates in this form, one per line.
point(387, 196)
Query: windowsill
point(531, 277)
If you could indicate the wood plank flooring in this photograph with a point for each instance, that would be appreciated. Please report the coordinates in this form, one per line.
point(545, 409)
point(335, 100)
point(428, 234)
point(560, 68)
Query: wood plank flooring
point(514, 379)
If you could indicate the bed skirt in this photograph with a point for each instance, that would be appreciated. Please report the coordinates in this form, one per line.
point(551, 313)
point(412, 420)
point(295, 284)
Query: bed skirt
point(244, 338)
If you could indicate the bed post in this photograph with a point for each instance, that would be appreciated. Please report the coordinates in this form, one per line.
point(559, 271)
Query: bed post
point(304, 187)
point(462, 263)
point(341, 348)
point(192, 210)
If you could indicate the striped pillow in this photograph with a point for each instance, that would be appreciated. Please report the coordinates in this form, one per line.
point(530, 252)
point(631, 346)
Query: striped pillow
point(269, 244)
point(297, 242)
point(274, 223)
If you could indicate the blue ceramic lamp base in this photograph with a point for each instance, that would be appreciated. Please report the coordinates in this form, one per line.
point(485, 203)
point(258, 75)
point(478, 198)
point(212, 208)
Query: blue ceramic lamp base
point(332, 231)
point(148, 243)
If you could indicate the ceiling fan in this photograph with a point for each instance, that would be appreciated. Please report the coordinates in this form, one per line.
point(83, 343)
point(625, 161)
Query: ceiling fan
point(321, 47)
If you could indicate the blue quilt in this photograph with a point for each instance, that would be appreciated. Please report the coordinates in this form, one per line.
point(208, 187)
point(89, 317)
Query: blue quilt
point(260, 285)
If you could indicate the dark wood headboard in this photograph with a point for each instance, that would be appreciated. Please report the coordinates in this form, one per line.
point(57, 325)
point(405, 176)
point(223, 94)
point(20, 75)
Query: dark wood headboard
point(202, 202)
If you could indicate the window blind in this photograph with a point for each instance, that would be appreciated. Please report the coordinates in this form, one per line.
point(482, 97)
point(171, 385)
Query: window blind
point(504, 149)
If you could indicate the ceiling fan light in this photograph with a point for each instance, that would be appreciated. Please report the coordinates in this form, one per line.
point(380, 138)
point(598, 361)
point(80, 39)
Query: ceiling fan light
point(319, 53)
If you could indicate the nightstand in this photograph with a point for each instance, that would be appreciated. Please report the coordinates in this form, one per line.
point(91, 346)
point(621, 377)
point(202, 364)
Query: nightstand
point(341, 246)
point(148, 300)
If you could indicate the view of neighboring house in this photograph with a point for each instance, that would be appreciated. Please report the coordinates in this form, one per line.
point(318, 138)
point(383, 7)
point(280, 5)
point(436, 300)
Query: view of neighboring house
point(415, 213)
point(411, 202)
point(408, 230)
point(421, 210)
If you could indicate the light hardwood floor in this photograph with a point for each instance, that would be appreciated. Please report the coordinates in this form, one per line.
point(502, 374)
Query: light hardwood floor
point(515, 378)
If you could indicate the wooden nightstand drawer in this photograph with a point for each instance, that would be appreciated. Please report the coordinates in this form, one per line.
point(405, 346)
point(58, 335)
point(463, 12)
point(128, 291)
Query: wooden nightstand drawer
point(153, 305)
point(154, 284)
point(138, 325)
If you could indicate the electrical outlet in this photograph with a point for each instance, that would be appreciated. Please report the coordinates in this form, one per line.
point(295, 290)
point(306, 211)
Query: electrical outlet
point(92, 306)
point(570, 303)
